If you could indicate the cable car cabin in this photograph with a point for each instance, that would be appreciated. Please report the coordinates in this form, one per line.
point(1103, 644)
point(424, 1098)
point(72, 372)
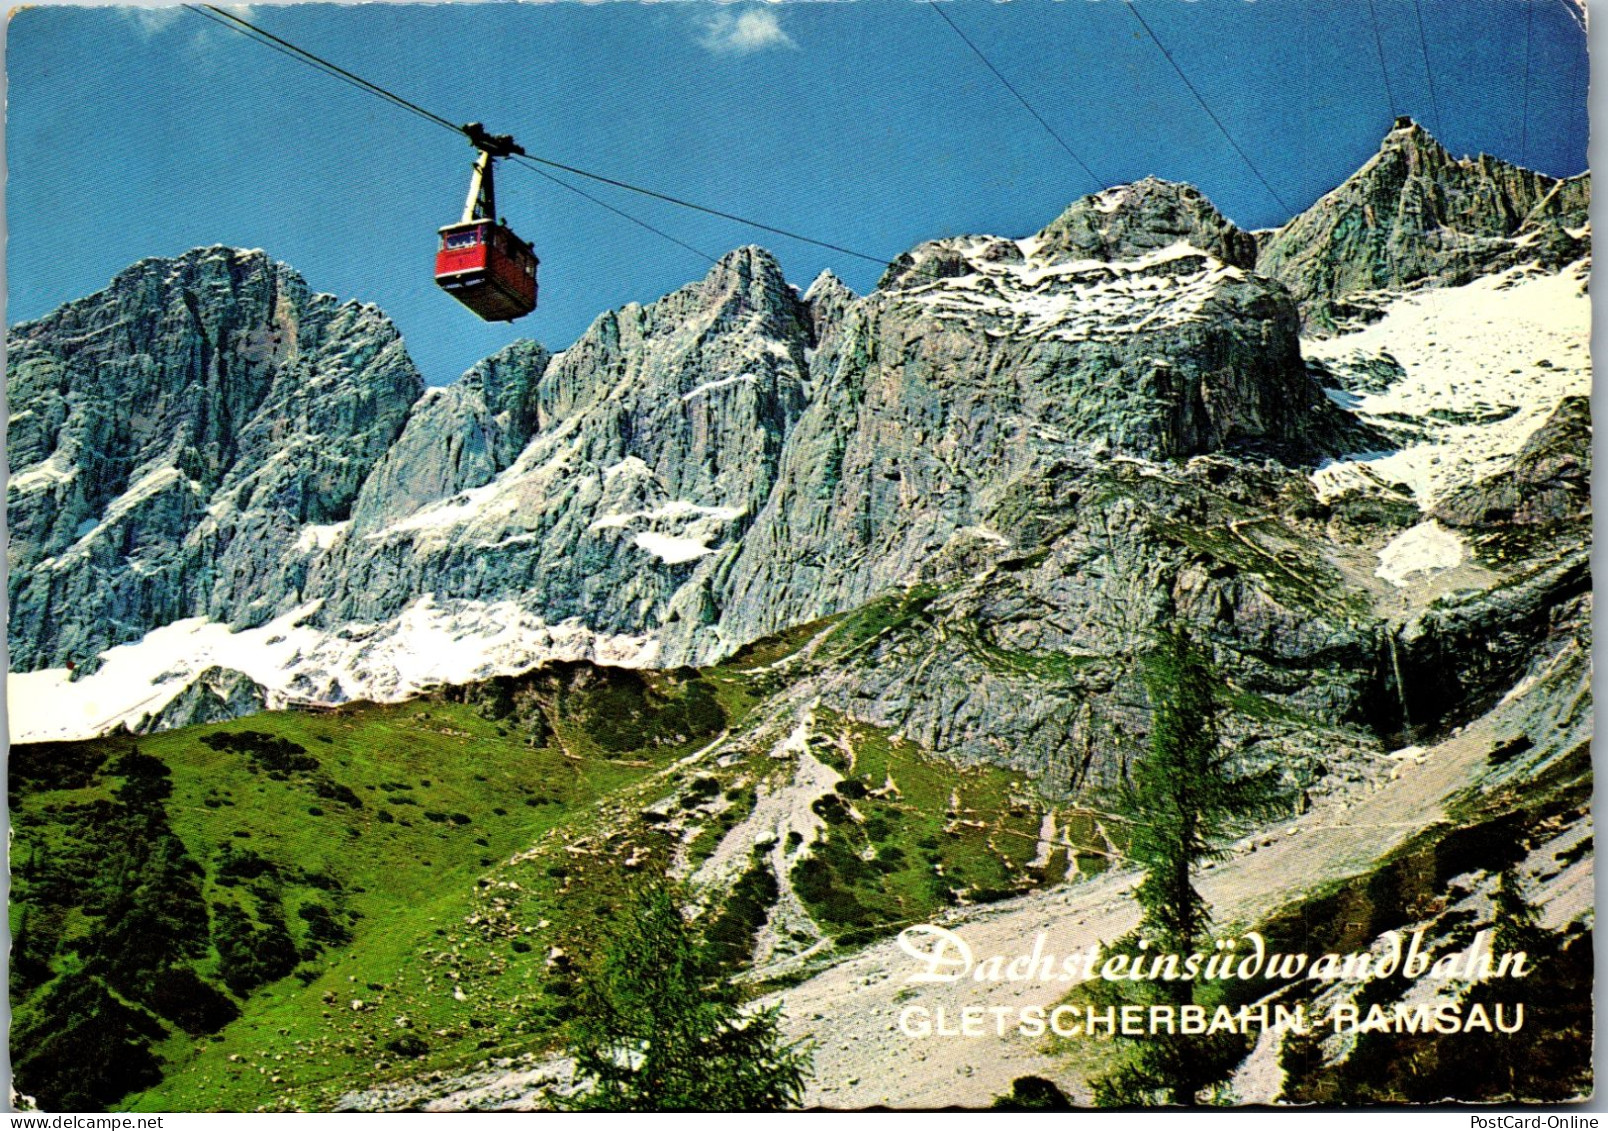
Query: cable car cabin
point(483, 265)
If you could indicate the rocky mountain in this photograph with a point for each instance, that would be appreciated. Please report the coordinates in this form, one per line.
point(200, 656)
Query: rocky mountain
point(178, 441)
point(1027, 452)
point(831, 606)
point(1415, 214)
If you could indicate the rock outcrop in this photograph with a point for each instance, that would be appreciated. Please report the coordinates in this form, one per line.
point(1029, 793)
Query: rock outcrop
point(980, 363)
point(657, 438)
point(177, 443)
point(213, 696)
point(456, 437)
point(1130, 221)
point(1414, 214)
point(1006, 465)
point(1548, 481)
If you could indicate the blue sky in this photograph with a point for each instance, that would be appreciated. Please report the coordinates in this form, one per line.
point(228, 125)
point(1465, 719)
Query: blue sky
point(867, 124)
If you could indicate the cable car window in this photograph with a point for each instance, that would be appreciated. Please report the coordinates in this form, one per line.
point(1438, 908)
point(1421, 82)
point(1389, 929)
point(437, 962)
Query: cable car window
point(456, 240)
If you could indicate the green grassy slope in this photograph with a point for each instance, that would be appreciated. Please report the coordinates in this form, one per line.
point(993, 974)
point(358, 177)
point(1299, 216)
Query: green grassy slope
point(197, 911)
point(271, 912)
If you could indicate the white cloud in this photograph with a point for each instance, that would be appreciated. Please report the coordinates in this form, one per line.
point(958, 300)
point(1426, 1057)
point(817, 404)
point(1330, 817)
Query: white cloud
point(753, 30)
point(203, 34)
point(153, 19)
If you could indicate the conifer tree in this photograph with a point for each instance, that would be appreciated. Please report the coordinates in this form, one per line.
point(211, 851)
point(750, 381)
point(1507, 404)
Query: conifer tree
point(661, 1029)
point(1181, 804)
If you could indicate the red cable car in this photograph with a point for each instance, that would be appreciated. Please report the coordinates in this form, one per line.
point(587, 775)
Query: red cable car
point(481, 262)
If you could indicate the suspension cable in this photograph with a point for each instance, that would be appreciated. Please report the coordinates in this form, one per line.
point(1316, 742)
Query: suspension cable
point(1524, 127)
point(530, 160)
point(1025, 104)
point(1379, 44)
point(1134, 8)
point(1429, 73)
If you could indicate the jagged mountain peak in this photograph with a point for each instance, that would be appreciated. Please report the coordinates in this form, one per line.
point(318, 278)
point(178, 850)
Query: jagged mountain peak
point(1409, 128)
point(749, 274)
point(691, 472)
point(827, 284)
point(1413, 214)
point(1410, 142)
point(153, 281)
point(1130, 220)
point(1413, 141)
point(519, 356)
point(206, 255)
point(828, 299)
point(457, 437)
point(1124, 223)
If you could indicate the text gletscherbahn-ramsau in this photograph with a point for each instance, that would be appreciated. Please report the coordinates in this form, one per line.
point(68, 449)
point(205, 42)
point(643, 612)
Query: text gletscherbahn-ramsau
point(919, 1021)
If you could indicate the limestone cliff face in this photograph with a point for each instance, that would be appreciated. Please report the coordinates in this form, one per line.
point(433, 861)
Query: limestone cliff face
point(172, 439)
point(979, 363)
point(655, 440)
point(1549, 481)
point(456, 437)
point(1415, 214)
point(1012, 460)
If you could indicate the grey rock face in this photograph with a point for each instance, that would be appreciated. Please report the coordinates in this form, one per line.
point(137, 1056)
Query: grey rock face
point(213, 696)
point(1028, 657)
point(1469, 647)
point(1130, 220)
point(1414, 214)
point(657, 435)
point(456, 437)
point(974, 369)
point(1548, 481)
point(828, 300)
point(171, 437)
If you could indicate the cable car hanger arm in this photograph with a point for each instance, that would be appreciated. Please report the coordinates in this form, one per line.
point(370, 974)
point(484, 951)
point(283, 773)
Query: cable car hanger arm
point(482, 201)
point(496, 145)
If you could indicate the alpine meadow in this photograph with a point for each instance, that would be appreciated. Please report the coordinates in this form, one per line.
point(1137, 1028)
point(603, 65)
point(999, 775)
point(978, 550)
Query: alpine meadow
point(751, 704)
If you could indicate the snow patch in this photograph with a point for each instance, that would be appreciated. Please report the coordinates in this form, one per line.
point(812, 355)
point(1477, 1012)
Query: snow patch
point(1485, 363)
point(711, 386)
point(477, 502)
point(429, 643)
point(1029, 247)
point(630, 465)
point(1111, 199)
point(675, 509)
point(1427, 548)
point(1077, 301)
point(315, 537)
point(46, 473)
point(986, 534)
point(671, 549)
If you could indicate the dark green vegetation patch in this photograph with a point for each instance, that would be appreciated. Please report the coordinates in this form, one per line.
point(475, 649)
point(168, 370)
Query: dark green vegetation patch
point(167, 887)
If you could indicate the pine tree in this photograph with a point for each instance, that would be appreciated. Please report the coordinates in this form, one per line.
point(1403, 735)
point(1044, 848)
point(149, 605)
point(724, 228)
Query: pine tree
point(1181, 805)
point(659, 1029)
